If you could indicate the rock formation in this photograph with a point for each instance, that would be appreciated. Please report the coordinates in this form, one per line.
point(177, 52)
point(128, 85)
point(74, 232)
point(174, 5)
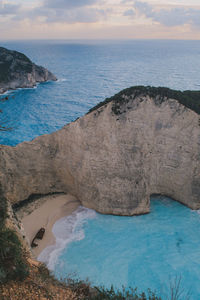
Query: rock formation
point(18, 71)
point(135, 144)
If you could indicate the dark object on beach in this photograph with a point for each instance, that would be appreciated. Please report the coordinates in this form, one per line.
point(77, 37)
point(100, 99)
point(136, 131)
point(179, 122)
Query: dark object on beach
point(39, 235)
point(33, 245)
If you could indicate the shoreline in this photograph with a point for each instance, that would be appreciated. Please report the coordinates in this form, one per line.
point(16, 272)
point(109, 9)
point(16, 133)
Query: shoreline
point(44, 212)
point(10, 90)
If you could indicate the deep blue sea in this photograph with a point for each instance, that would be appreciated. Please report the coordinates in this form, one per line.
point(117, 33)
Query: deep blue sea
point(87, 73)
point(144, 251)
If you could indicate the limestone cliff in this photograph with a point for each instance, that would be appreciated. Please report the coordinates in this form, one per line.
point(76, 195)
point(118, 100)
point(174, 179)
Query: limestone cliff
point(133, 145)
point(18, 71)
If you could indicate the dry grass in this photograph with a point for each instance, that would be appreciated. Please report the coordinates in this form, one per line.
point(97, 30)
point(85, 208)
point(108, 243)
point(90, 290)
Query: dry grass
point(39, 285)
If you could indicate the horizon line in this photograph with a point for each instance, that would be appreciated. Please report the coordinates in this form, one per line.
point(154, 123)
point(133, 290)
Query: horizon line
point(96, 39)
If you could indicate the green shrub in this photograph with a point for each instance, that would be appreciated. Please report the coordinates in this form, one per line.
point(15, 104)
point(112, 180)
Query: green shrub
point(12, 262)
point(13, 62)
point(87, 292)
point(80, 287)
point(130, 294)
point(3, 211)
point(190, 99)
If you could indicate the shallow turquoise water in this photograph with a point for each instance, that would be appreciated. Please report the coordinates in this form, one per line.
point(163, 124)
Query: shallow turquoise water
point(147, 251)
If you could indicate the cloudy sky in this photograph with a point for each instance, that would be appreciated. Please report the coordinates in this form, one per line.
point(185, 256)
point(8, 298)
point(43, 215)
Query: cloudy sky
point(99, 19)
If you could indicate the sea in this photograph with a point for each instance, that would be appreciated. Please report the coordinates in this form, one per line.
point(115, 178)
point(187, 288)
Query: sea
point(154, 251)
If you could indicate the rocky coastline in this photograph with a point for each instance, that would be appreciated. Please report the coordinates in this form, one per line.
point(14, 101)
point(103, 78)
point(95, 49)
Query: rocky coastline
point(114, 158)
point(18, 71)
point(140, 142)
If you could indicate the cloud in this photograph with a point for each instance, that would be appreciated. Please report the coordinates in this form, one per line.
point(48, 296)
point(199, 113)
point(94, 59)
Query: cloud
point(178, 16)
point(169, 17)
point(115, 12)
point(60, 15)
point(8, 9)
point(129, 13)
point(59, 11)
point(80, 15)
point(126, 1)
point(144, 8)
point(68, 4)
point(65, 11)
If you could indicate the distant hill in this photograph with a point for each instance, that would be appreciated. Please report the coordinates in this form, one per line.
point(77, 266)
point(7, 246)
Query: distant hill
point(18, 71)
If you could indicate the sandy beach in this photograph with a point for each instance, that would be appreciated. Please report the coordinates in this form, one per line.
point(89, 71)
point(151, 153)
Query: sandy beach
point(44, 212)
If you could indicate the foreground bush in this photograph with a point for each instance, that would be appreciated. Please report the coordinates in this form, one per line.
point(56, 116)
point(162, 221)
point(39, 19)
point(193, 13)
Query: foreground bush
point(41, 283)
point(130, 294)
point(87, 292)
point(12, 261)
point(84, 289)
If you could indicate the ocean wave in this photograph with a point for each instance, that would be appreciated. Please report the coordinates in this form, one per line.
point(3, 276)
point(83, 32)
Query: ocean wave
point(12, 91)
point(61, 80)
point(66, 230)
point(6, 93)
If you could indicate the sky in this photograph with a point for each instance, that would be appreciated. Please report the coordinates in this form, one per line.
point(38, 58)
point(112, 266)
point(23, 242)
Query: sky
point(99, 19)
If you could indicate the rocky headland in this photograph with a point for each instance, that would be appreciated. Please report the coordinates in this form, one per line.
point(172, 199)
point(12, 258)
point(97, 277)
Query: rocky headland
point(18, 71)
point(140, 142)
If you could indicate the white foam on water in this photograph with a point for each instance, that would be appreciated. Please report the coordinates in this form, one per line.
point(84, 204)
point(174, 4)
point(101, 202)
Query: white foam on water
point(61, 80)
point(66, 230)
point(195, 211)
point(19, 89)
point(12, 91)
point(6, 93)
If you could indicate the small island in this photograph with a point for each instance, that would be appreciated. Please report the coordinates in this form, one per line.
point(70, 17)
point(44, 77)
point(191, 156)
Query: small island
point(18, 71)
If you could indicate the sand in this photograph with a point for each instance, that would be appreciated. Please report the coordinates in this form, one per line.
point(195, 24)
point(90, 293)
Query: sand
point(44, 212)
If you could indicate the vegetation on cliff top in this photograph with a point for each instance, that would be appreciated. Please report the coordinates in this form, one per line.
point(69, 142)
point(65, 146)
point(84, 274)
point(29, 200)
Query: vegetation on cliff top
point(12, 261)
point(190, 99)
point(13, 62)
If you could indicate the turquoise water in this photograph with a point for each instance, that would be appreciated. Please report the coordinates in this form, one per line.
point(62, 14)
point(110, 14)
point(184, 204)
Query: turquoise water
point(147, 251)
point(88, 72)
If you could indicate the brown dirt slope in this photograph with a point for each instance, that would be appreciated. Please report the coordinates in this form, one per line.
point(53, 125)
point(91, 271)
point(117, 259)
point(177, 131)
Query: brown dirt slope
point(39, 285)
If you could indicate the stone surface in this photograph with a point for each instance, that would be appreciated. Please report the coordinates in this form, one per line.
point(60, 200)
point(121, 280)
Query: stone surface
point(112, 162)
point(18, 71)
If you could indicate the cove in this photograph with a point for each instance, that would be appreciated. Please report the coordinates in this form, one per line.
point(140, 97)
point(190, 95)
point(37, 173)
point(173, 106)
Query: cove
point(147, 251)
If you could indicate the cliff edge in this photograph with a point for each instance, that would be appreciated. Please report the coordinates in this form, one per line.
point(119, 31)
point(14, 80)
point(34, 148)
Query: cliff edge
point(18, 71)
point(140, 142)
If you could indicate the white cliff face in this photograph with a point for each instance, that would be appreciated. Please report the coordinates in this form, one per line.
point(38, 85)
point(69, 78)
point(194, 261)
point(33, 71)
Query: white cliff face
point(17, 71)
point(112, 163)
